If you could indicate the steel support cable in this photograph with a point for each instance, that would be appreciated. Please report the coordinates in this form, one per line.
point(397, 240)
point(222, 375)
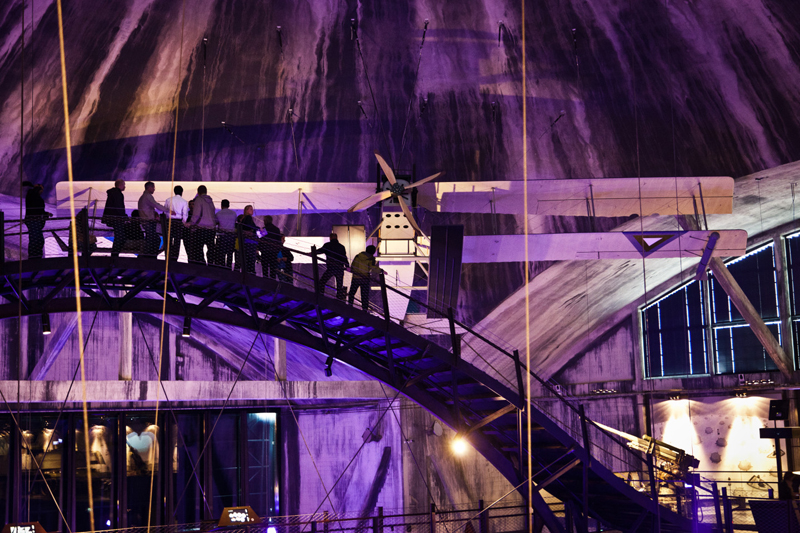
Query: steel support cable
point(238, 375)
point(167, 249)
point(408, 444)
point(219, 415)
point(38, 466)
point(302, 435)
point(411, 98)
point(374, 102)
point(174, 418)
point(74, 234)
point(21, 176)
point(527, 271)
point(61, 409)
point(358, 451)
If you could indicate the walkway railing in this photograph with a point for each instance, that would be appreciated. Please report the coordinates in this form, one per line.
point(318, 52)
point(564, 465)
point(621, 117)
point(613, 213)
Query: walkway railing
point(245, 249)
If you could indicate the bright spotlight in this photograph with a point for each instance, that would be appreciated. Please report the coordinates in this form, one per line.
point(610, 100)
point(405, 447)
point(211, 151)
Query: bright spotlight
point(459, 446)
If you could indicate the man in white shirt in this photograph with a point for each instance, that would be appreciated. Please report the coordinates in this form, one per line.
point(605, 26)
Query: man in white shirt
point(180, 208)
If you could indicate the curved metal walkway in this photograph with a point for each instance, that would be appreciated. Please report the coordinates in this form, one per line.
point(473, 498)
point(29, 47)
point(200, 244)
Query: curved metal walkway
point(481, 407)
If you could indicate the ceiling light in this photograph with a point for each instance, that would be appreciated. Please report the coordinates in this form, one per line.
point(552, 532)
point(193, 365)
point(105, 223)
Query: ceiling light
point(459, 446)
point(187, 327)
point(45, 324)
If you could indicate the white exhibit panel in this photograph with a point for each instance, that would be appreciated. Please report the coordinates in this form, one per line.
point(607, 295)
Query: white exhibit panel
point(276, 198)
point(580, 197)
point(611, 245)
point(353, 238)
point(399, 275)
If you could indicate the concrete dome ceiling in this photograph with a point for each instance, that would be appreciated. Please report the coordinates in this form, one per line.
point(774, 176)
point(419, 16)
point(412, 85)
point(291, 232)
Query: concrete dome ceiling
point(659, 89)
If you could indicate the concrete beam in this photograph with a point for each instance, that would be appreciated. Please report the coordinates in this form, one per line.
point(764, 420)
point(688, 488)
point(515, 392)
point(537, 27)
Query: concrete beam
point(279, 358)
point(745, 308)
point(144, 392)
point(125, 346)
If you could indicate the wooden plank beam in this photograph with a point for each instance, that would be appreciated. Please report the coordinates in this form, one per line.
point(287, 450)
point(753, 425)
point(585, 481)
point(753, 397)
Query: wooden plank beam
point(745, 308)
point(594, 246)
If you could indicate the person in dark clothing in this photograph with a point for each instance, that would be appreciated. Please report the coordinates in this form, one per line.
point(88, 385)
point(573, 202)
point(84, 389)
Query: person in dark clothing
point(335, 261)
point(114, 215)
point(284, 261)
point(250, 247)
point(268, 247)
point(363, 266)
point(35, 217)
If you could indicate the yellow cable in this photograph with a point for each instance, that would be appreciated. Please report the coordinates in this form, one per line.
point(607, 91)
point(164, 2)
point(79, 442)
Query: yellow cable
point(74, 235)
point(527, 272)
point(166, 259)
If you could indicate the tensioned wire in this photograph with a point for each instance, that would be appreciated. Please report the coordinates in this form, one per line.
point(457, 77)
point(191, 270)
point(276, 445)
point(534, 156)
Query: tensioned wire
point(167, 253)
point(73, 232)
point(527, 272)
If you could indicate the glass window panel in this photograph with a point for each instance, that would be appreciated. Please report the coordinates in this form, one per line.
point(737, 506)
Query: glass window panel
point(755, 274)
point(739, 350)
point(675, 332)
point(187, 488)
point(102, 430)
point(793, 267)
point(261, 464)
point(225, 463)
point(43, 446)
point(142, 450)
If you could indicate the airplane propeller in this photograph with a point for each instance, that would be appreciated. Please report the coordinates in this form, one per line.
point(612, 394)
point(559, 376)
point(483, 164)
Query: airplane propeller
point(395, 191)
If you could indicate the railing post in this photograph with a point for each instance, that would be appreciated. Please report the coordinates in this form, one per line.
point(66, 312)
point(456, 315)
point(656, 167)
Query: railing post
point(314, 526)
point(85, 231)
point(325, 525)
point(483, 518)
point(454, 338)
point(654, 494)
point(727, 510)
point(377, 522)
point(717, 510)
point(241, 257)
point(695, 504)
point(315, 268)
point(433, 518)
point(384, 298)
point(518, 367)
point(586, 465)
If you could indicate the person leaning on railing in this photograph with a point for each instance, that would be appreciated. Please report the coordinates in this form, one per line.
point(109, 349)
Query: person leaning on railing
point(226, 238)
point(147, 213)
point(180, 209)
point(202, 225)
point(363, 267)
point(249, 248)
point(114, 215)
point(35, 217)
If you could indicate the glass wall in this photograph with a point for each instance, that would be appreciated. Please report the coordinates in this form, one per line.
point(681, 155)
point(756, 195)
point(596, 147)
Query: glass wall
point(682, 329)
point(126, 458)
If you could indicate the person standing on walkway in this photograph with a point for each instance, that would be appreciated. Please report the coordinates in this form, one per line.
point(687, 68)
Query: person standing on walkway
point(203, 222)
point(268, 246)
point(363, 266)
point(180, 209)
point(249, 248)
point(335, 262)
point(35, 217)
point(114, 215)
point(147, 213)
point(226, 238)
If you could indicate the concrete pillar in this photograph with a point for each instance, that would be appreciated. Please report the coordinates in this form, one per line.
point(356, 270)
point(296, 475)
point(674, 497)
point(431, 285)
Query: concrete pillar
point(279, 358)
point(125, 346)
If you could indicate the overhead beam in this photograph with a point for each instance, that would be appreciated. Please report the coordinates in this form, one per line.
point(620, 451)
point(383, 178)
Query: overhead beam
point(745, 308)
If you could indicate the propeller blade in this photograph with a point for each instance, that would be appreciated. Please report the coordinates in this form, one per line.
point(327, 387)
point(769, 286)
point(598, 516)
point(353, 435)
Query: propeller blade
point(370, 200)
point(408, 214)
point(426, 180)
point(386, 168)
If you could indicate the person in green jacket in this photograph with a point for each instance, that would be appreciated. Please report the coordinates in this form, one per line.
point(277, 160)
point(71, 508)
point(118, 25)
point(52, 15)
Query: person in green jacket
point(364, 264)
